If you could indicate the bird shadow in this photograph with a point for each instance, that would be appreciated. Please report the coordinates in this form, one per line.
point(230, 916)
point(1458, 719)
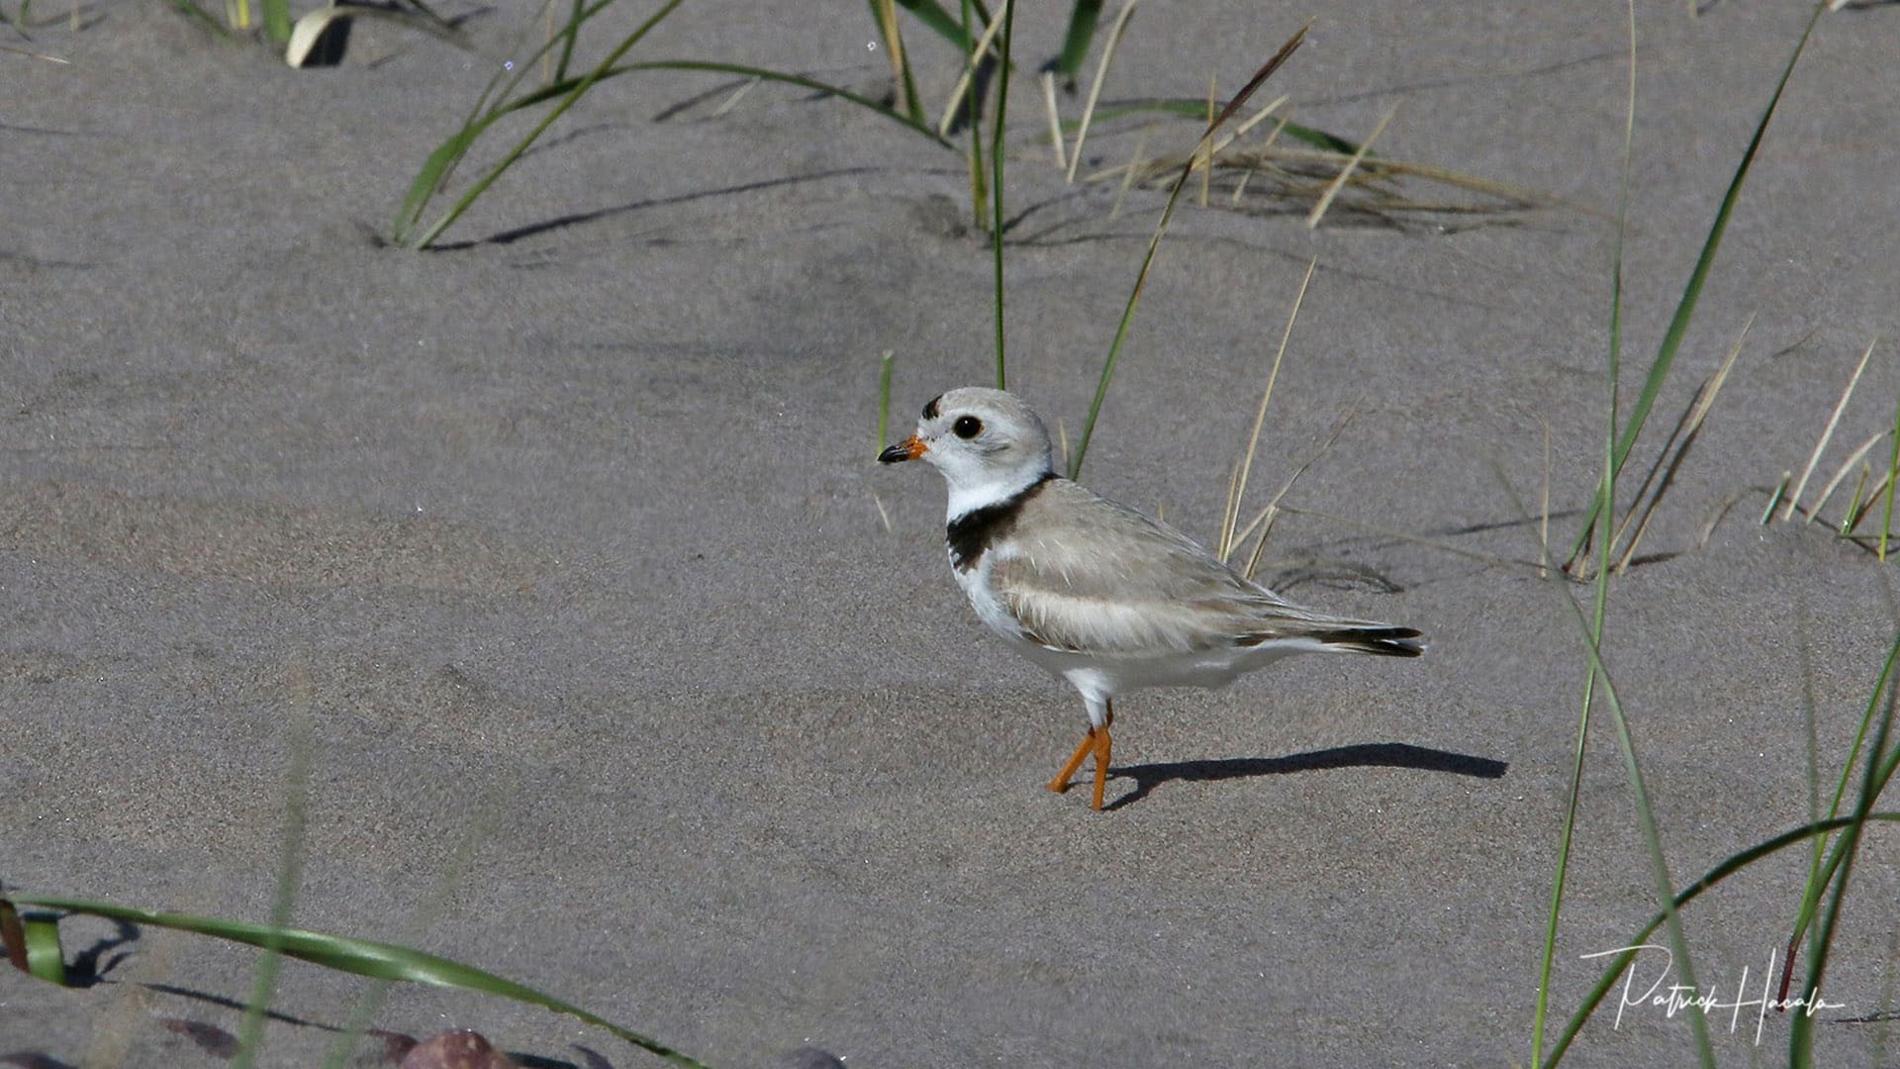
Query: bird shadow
point(1359, 755)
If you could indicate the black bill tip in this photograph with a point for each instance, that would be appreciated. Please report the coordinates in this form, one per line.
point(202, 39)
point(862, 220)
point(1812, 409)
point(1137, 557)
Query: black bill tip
point(909, 449)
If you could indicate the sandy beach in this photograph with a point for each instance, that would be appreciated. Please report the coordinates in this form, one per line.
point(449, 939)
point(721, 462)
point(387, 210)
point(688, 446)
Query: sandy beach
point(632, 677)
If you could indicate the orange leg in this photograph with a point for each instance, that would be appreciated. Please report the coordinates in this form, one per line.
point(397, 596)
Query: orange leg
point(1061, 782)
point(1102, 746)
point(1096, 742)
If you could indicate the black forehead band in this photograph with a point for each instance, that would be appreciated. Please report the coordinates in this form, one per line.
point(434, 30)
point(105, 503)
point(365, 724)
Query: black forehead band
point(930, 410)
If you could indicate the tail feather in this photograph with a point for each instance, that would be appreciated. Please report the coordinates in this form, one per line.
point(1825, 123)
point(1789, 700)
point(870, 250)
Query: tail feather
point(1377, 638)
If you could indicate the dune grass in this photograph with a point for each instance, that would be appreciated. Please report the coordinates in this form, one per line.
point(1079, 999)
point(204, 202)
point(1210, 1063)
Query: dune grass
point(1075, 42)
point(1873, 486)
point(506, 95)
point(1095, 87)
point(1878, 767)
point(1594, 632)
point(31, 940)
point(1827, 435)
point(1726, 868)
point(1679, 322)
point(1669, 460)
point(1378, 189)
point(1879, 763)
point(361, 957)
point(1225, 539)
point(205, 20)
point(885, 12)
point(1829, 870)
point(1596, 674)
point(1154, 242)
point(1877, 772)
point(1083, 17)
point(275, 15)
point(987, 200)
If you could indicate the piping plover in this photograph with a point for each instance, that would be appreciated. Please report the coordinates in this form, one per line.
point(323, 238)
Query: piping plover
point(1095, 592)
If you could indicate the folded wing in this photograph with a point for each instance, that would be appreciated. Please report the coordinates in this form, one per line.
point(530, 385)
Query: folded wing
point(1090, 576)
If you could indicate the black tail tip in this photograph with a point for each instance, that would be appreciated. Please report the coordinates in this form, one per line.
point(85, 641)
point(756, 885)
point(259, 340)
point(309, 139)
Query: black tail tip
point(1386, 641)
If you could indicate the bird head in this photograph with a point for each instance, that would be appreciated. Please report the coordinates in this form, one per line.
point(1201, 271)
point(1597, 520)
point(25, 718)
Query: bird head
point(987, 444)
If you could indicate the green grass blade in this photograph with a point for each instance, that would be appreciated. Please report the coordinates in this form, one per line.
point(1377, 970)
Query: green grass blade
point(1879, 772)
point(1321, 139)
point(936, 18)
point(973, 112)
point(1607, 488)
point(276, 20)
point(1692, 291)
point(996, 183)
point(385, 961)
point(44, 958)
point(1645, 812)
point(1801, 1034)
point(1893, 478)
point(32, 943)
point(569, 35)
point(884, 399)
point(509, 75)
point(501, 86)
point(914, 103)
point(1815, 887)
point(1881, 683)
point(1652, 839)
point(1849, 520)
point(1154, 242)
point(884, 14)
point(434, 171)
point(1733, 864)
point(1075, 43)
point(1811, 742)
point(202, 17)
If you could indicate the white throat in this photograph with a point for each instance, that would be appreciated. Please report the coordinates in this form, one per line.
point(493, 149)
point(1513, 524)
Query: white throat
point(999, 487)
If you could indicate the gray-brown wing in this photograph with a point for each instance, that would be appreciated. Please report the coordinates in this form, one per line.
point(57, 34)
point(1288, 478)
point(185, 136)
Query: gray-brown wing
point(1089, 575)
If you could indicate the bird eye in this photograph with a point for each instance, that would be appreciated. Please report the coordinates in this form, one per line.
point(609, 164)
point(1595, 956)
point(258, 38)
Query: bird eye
point(967, 427)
